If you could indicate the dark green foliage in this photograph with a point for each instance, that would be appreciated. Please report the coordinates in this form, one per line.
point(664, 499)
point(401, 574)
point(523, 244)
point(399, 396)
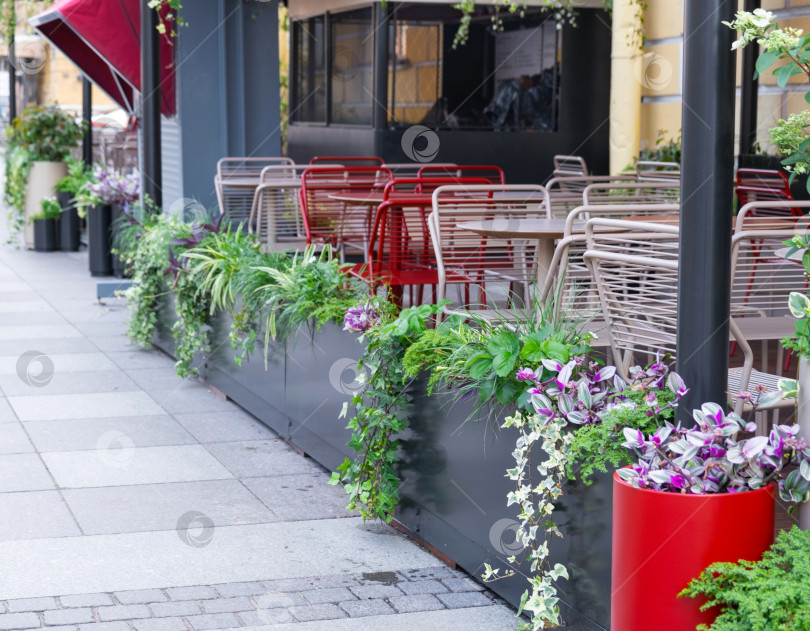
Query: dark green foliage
point(768, 595)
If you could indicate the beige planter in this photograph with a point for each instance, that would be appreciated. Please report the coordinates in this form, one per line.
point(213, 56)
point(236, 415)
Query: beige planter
point(803, 419)
point(41, 181)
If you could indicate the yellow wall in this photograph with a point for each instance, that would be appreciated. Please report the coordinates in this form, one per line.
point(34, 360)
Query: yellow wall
point(660, 72)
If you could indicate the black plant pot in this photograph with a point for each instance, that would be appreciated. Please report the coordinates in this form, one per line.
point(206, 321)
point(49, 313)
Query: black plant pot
point(98, 240)
point(118, 267)
point(44, 235)
point(69, 230)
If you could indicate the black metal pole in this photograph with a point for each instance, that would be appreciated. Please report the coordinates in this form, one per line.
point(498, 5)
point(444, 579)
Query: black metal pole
point(749, 91)
point(150, 104)
point(380, 112)
point(87, 116)
point(706, 202)
point(12, 86)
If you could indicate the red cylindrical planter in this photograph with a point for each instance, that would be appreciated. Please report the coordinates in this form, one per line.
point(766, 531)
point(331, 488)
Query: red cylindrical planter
point(661, 541)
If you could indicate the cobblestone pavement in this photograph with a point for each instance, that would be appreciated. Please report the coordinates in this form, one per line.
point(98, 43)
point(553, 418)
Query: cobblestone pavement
point(130, 499)
point(253, 603)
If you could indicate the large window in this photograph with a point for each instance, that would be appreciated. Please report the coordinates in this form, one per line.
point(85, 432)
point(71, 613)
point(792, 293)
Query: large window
point(309, 85)
point(352, 57)
point(505, 78)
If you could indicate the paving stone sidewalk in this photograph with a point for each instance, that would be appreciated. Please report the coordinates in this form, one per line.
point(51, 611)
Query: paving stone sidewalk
point(133, 500)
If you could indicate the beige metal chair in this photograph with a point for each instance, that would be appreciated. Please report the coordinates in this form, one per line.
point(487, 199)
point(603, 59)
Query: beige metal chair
point(761, 215)
point(761, 282)
point(651, 170)
point(566, 192)
point(635, 268)
point(645, 192)
point(568, 273)
point(236, 181)
point(501, 269)
point(569, 165)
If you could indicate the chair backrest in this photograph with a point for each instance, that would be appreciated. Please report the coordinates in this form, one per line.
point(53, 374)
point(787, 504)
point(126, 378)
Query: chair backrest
point(761, 279)
point(275, 215)
point(327, 220)
point(411, 169)
point(426, 185)
point(238, 167)
point(635, 270)
point(569, 165)
point(492, 173)
point(348, 160)
point(288, 171)
point(646, 192)
point(776, 214)
point(568, 275)
point(652, 170)
point(566, 192)
point(762, 178)
point(765, 185)
point(500, 268)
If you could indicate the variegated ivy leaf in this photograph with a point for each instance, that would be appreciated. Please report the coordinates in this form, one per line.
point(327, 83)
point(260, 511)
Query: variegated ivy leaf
point(799, 305)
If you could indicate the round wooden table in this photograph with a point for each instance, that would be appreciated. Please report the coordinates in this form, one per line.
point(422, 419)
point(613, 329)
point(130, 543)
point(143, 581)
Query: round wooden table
point(544, 231)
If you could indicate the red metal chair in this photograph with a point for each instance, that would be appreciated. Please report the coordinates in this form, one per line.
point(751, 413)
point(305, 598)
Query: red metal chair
point(493, 174)
point(399, 253)
point(356, 161)
point(765, 185)
point(333, 221)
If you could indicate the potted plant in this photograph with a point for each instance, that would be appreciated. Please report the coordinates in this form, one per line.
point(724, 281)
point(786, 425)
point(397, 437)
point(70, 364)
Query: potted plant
point(45, 225)
point(48, 134)
point(108, 197)
point(695, 496)
point(68, 193)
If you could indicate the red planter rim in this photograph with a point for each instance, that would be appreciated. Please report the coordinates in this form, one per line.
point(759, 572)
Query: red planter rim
point(696, 496)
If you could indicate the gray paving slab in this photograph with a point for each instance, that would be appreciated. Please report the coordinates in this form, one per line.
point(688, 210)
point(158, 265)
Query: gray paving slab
point(25, 306)
point(89, 405)
point(94, 328)
point(135, 359)
point(70, 383)
point(162, 378)
point(190, 397)
point(300, 497)
point(96, 313)
point(113, 343)
point(35, 331)
point(108, 510)
point(14, 440)
point(84, 434)
point(492, 618)
point(122, 464)
point(62, 362)
point(7, 414)
point(35, 515)
point(48, 345)
point(23, 472)
point(256, 458)
point(265, 552)
point(38, 316)
point(212, 427)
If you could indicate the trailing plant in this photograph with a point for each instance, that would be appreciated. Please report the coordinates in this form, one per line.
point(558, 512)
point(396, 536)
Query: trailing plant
point(149, 261)
point(644, 404)
point(710, 458)
point(798, 302)
point(370, 479)
point(18, 166)
point(564, 12)
point(767, 595)
point(77, 183)
point(577, 394)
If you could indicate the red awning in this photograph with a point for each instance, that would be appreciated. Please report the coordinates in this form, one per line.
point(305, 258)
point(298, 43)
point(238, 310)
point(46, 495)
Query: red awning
point(102, 37)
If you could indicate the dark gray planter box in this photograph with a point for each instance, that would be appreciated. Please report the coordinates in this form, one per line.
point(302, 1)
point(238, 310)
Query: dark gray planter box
point(453, 495)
